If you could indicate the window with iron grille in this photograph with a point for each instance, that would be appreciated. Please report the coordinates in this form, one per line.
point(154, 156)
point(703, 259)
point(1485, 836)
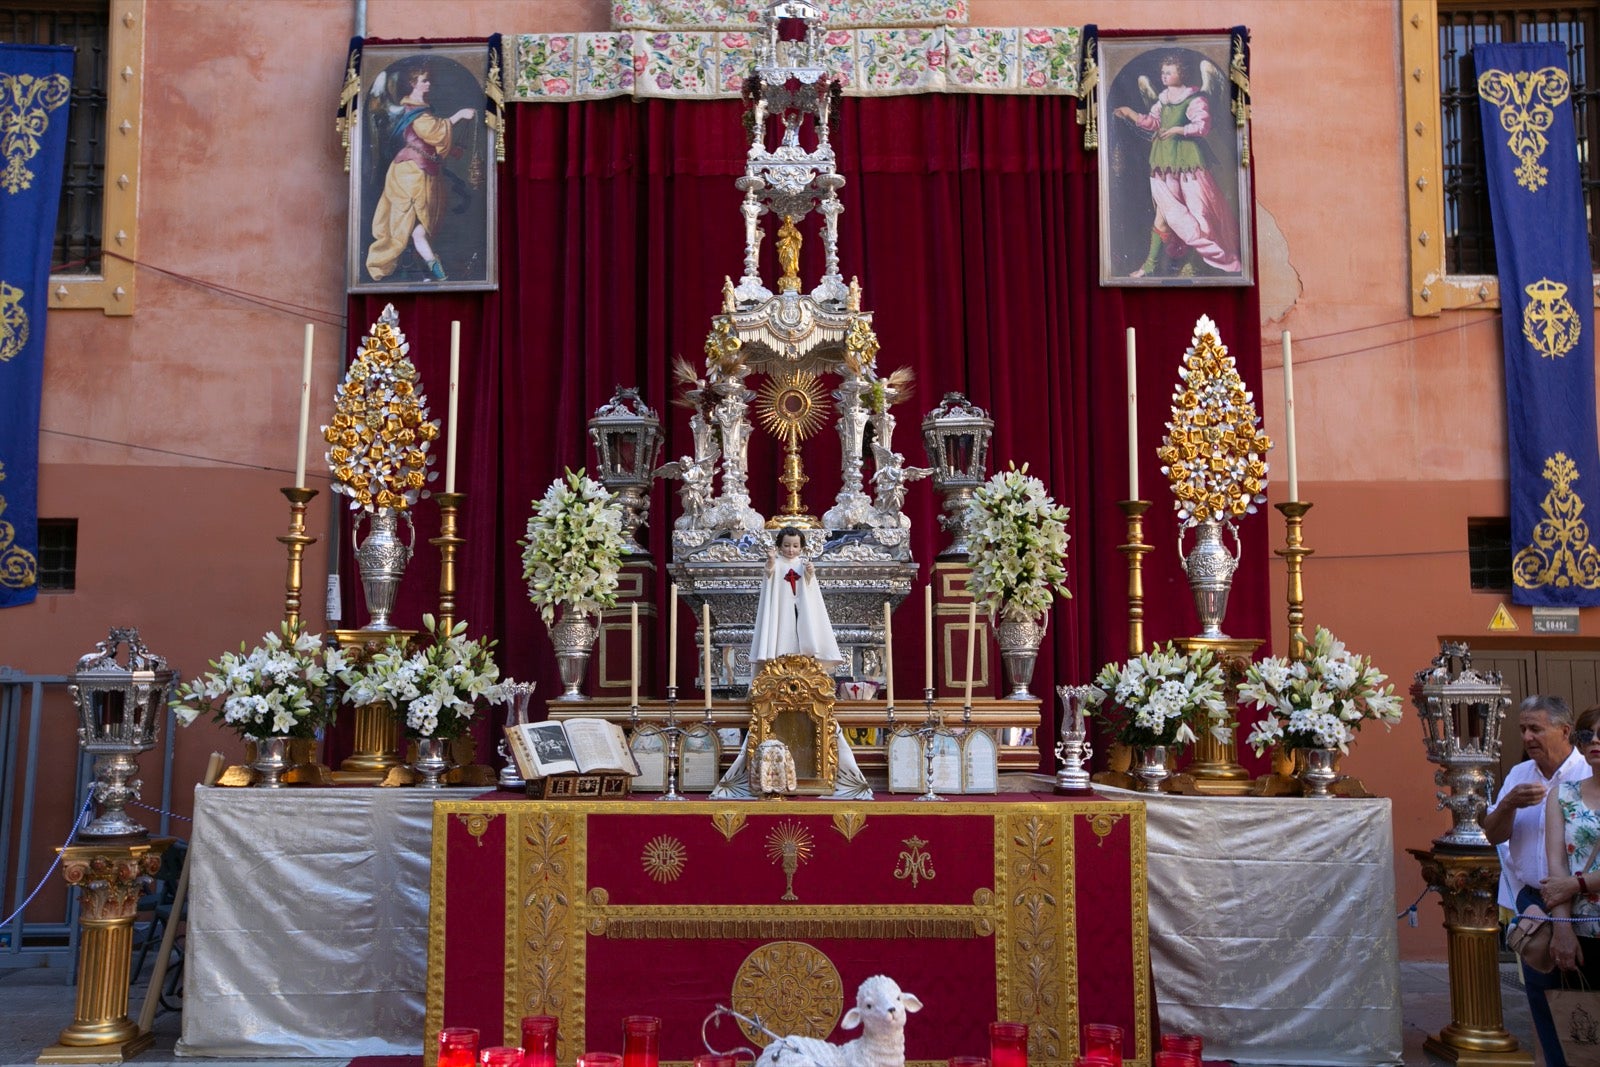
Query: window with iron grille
point(82, 24)
point(1489, 554)
point(58, 555)
point(1469, 235)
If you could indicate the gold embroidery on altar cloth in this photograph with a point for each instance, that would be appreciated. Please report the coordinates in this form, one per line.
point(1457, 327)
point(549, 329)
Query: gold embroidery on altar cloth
point(18, 567)
point(664, 858)
point(1549, 322)
point(728, 822)
point(1102, 825)
point(789, 845)
point(25, 105)
point(792, 987)
point(1527, 102)
point(1037, 867)
point(1561, 554)
point(550, 934)
point(914, 863)
point(13, 322)
point(849, 824)
point(477, 824)
point(716, 924)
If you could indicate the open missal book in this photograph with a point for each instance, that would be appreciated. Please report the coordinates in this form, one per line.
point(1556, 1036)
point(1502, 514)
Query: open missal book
point(571, 746)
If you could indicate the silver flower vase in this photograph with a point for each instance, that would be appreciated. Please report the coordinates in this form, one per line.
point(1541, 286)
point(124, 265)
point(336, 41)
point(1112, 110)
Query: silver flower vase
point(516, 715)
point(1151, 769)
point(1319, 775)
point(271, 762)
point(382, 559)
point(431, 762)
point(574, 636)
point(1019, 651)
point(1210, 568)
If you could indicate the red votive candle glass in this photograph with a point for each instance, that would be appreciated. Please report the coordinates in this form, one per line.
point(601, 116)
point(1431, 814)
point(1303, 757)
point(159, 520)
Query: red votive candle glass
point(599, 1059)
point(1008, 1044)
point(714, 1059)
point(539, 1033)
point(641, 1041)
point(1169, 1058)
point(458, 1047)
point(1104, 1040)
point(1190, 1043)
point(500, 1056)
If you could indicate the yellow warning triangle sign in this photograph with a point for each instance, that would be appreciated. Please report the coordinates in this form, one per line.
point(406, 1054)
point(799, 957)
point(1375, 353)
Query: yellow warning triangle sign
point(1502, 619)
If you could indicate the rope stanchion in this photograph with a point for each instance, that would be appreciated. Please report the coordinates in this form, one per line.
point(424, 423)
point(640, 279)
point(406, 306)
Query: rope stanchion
point(83, 813)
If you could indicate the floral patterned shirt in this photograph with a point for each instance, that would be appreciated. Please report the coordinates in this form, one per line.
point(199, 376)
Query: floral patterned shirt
point(1581, 825)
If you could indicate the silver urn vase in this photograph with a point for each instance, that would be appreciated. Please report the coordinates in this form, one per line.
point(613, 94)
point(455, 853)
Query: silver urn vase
point(1019, 651)
point(1210, 568)
point(271, 762)
point(573, 635)
point(516, 715)
point(382, 559)
point(1151, 768)
point(1319, 775)
point(431, 762)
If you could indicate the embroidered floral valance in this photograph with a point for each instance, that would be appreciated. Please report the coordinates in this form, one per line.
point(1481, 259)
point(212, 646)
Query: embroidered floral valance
point(746, 14)
point(883, 61)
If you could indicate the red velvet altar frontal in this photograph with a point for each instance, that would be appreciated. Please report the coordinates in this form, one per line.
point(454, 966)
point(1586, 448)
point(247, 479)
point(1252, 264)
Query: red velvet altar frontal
point(1032, 911)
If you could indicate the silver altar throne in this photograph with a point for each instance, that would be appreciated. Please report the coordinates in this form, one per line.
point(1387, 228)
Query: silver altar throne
point(793, 340)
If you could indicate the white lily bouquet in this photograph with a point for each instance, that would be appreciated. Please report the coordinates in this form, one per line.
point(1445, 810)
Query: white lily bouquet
point(1162, 697)
point(277, 689)
point(1319, 701)
point(434, 692)
point(574, 548)
point(1018, 538)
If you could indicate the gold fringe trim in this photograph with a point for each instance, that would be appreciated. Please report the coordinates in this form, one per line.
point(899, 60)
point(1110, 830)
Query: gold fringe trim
point(627, 929)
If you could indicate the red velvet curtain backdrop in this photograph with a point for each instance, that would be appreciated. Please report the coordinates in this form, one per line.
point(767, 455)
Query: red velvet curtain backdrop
point(971, 222)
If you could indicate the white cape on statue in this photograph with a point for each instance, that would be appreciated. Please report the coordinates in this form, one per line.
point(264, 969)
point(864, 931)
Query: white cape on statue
point(792, 622)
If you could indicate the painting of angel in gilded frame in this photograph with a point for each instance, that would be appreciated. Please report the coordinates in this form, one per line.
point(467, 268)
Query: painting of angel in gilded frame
point(1175, 203)
point(422, 171)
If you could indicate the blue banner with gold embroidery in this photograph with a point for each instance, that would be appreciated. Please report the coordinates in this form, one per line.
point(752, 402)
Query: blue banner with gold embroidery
point(35, 90)
point(1541, 241)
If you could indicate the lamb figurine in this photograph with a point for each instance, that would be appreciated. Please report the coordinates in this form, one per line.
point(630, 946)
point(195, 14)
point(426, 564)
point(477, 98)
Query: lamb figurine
point(880, 1011)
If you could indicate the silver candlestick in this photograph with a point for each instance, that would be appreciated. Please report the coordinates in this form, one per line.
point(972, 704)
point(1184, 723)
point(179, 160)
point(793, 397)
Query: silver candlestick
point(930, 729)
point(1072, 748)
point(673, 732)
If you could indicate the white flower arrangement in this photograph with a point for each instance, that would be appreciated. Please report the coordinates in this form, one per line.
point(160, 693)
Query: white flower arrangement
point(1162, 695)
point(1018, 538)
point(574, 548)
point(433, 692)
point(1319, 701)
point(277, 689)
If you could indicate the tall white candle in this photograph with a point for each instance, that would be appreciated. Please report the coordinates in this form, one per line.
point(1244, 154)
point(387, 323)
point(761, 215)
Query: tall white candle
point(633, 645)
point(305, 415)
point(888, 656)
point(1288, 418)
point(927, 635)
point(972, 646)
point(705, 638)
point(672, 639)
point(455, 392)
point(1133, 421)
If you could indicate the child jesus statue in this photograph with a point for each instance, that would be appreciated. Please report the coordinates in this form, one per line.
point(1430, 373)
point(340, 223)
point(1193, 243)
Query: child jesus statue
point(791, 617)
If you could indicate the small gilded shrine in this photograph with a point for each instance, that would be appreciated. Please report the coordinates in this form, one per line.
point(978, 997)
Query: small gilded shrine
point(785, 359)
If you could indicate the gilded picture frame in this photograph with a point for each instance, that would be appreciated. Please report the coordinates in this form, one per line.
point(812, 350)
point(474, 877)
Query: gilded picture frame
point(1175, 200)
point(422, 172)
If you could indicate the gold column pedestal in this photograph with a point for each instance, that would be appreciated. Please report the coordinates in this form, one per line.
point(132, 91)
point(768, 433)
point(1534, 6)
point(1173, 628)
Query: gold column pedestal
point(110, 877)
point(1215, 769)
point(375, 751)
point(1468, 884)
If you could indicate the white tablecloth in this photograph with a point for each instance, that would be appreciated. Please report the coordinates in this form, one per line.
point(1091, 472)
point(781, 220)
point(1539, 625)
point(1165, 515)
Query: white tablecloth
point(1272, 927)
point(308, 922)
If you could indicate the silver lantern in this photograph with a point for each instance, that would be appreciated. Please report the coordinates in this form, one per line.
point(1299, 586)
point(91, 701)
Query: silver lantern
point(627, 435)
point(120, 708)
point(956, 434)
point(1462, 711)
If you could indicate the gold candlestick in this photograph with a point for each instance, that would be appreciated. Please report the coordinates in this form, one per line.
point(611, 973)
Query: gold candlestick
point(449, 543)
point(1135, 550)
point(297, 539)
point(1293, 552)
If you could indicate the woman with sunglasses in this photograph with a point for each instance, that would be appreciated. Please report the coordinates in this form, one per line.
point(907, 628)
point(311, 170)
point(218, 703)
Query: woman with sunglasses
point(1572, 835)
